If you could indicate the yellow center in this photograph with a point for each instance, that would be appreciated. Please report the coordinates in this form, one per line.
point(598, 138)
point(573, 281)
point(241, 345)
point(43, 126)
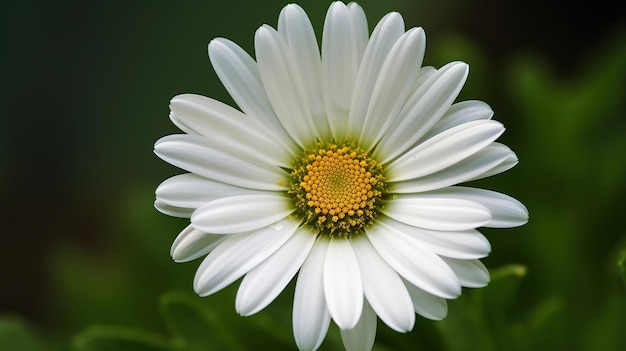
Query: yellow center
point(337, 189)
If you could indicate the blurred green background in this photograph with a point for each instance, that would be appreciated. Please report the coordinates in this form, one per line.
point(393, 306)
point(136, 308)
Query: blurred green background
point(85, 92)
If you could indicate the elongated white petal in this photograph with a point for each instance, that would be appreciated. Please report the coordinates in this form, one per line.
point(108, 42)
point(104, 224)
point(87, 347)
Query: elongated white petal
point(178, 122)
point(506, 212)
point(393, 85)
point(444, 150)
point(192, 191)
point(427, 305)
point(467, 244)
point(360, 30)
point(174, 211)
point(310, 313)
point(459, 113)
point(340, 63)
point(295, 28)
point(471, 273)
point(385, 34)
point(362, 336)
point(437, 213)
point(494, 157)
point(223, 125)
point(194, 154)
point(343, 286)
point(242, 213)
point(503, 166)
point(192, 243)
point(423, 109)
point(266, 281)
point(424, 76)
point(241, 78)
point(383, 288)
point(414, 261)
point(238, 254)
point(284, 85)
point(232, 147)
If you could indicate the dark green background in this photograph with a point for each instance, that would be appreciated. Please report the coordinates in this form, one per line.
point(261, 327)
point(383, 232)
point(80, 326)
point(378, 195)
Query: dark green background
point(85, 91)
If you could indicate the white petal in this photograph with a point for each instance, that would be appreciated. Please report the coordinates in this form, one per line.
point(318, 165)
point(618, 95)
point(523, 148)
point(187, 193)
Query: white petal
point(394, 85)
point(310, 314)
point(242, 213)
point(340, 62)
point(387, 32)
point(427, 305)
point(423, 109)
point(296, 29)
point(360, 30)
point(283, 84)
point(223, 125)
point(503, 166)
point(444, 149)
point(437, 213)
point(506, 212)
point(238, 254)
point(192, 191)
point(174, 211)
point(178, 122)
point(240, 76)
point(491, 160)
point(467, 244)
point(471, 273)
point(362, 336)
point(414, 261)
point(343, 286)
point(192, 243)
point(194, 154)
point(424, 75)
point(459, 113)
point(361, 103)
point(383, 288)
point(266, 281)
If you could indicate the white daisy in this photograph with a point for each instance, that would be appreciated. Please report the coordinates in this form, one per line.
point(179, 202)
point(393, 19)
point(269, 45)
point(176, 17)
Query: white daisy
point(341, 168)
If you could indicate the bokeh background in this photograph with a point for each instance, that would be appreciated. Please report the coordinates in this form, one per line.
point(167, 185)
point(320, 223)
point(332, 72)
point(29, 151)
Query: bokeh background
point(85, 257)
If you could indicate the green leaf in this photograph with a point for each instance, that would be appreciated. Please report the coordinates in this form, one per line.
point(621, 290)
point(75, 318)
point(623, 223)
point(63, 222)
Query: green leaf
point(15, 335)
point(546, 323)
point(465, 328)
point(500, 294)
point(106, 338)
point(195, 327)
point(498, 301)
point(479, 321)
point(208, 324)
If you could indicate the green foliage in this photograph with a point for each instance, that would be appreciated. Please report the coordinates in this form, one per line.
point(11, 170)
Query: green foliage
point(106, 338)
point(573, 153)
point(192, 325)
point(197, 326)
point(621, 264)
point(481, 320)
point(16, 335)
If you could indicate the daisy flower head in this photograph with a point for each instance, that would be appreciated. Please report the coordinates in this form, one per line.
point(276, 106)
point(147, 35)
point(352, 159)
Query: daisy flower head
point(339, 169)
